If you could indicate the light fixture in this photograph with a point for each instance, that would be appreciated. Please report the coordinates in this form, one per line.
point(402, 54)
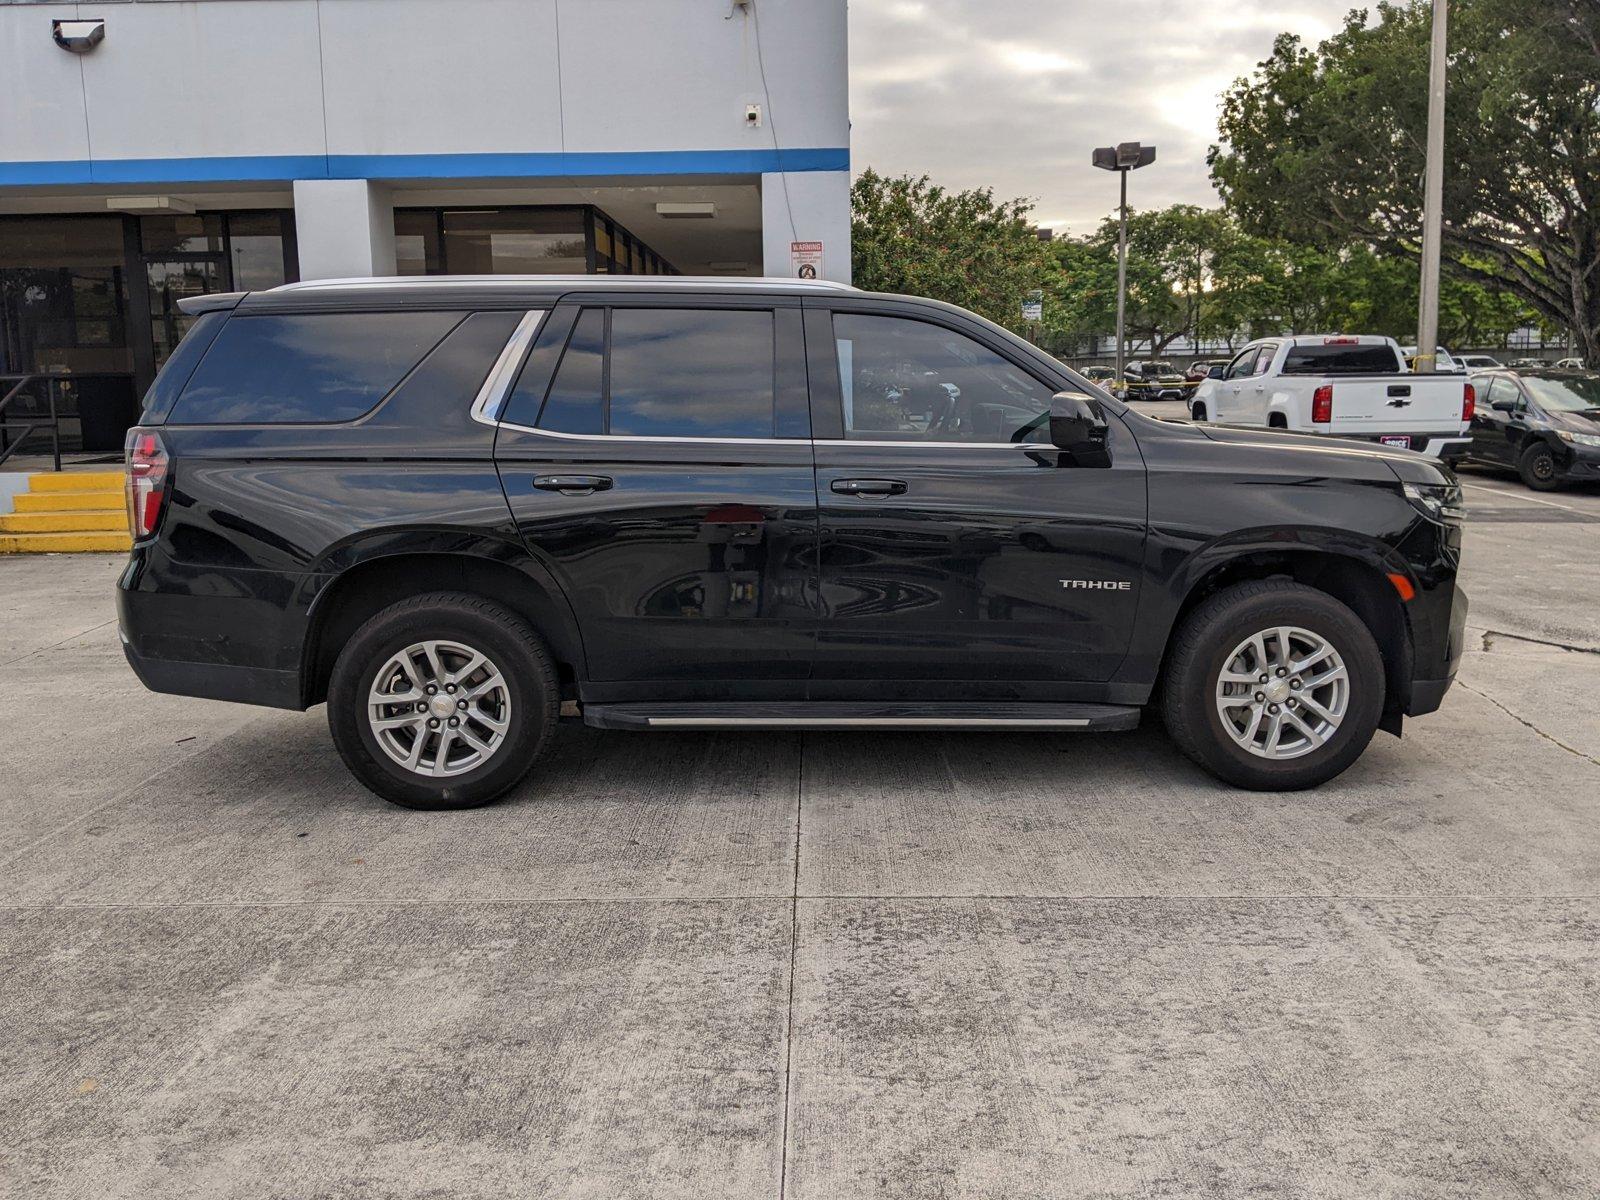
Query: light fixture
point(681, 211)
point(80, 37)
point(148, 204)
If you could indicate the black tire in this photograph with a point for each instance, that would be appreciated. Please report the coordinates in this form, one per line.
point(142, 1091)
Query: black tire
point(1538, 468)
point(504, 637)
point(1199, 651)
point(1197, 411)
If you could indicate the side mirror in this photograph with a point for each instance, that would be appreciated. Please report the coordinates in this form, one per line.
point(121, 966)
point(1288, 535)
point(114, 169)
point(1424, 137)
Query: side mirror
point(1216, 372)
point(1076, 423)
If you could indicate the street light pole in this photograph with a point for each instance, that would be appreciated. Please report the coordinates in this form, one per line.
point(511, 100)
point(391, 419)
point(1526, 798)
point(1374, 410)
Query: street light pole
point(1122, 158)
point(1122, 273)
point(1433, 197)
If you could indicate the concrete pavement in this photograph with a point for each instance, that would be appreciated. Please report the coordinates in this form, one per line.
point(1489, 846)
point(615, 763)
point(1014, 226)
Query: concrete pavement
point(824, 966)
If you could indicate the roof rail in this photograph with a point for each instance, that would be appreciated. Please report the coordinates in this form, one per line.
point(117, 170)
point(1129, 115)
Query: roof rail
point(593, 281)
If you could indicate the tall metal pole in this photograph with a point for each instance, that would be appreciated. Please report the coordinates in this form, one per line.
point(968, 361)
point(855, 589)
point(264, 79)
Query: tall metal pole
point(1433, 197)
point(1122, 271)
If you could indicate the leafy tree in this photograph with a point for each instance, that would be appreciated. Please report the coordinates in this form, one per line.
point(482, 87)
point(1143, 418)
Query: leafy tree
point(909, 235)
point(1171, 252)
point(1324, 148)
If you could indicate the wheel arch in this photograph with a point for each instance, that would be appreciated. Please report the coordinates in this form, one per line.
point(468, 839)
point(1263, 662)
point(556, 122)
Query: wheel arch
point(1357, 580)
point(351, 597)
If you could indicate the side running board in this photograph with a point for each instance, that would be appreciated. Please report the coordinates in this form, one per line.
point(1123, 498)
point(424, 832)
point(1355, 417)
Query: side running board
point(818, 714)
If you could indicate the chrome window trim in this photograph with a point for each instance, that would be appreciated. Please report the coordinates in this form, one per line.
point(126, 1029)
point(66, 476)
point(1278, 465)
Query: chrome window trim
point(496, 387)
point(769, 441)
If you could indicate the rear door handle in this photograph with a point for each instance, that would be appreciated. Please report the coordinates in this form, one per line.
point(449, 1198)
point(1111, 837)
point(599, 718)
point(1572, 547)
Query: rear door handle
point(869, 487)
point(572, 485)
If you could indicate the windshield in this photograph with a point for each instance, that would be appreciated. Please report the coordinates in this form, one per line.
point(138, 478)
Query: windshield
point(1161, 368)
point(1565, 395)
point(1376, 359)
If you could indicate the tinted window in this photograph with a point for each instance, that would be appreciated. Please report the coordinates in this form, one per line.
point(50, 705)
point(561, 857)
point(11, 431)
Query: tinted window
point(175, 373)
point(1341, 360)
point(575, 403)
point(909, 379)
point(312, 368)
point(691, 373)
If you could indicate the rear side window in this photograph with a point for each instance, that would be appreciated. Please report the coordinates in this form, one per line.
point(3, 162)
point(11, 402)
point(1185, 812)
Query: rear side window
point(661, 372)
point(175, 373)
point(576, 403)
point(1341, 360)
point(679, 372)
point(306, 369)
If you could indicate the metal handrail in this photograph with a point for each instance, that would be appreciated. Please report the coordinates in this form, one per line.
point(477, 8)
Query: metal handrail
point(51, 379)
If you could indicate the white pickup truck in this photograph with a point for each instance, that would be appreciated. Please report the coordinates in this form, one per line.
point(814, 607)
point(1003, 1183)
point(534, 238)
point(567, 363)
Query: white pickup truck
point(1343, 386)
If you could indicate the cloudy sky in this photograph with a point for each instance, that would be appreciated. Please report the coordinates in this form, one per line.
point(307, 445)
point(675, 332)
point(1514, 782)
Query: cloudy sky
point(1014, 94)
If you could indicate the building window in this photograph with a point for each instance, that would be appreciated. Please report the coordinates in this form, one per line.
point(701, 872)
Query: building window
point(517, 241)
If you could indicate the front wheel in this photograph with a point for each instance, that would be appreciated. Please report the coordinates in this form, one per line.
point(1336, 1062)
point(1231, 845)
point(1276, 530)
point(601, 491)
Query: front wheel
point(1273, 686)
point(442, 701)
point(1537, 466)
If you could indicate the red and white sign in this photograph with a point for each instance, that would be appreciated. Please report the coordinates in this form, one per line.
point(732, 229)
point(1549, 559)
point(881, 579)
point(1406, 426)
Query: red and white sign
point(805, 259)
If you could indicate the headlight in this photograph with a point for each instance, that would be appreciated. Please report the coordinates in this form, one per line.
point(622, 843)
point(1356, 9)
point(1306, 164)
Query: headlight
point(1580, 439)
point(1437, 501)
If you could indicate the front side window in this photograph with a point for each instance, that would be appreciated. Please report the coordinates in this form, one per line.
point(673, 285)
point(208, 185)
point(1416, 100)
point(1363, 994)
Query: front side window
point(311, 368)
point(1501, 391)
point(908, 380)
point(1242, 363)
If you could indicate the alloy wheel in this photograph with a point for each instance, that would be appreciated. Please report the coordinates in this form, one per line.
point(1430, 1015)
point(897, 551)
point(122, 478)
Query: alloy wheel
point(439, 708)
point(1283, 692)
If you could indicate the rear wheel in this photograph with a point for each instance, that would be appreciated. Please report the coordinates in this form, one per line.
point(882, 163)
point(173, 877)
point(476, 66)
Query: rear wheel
point(442, 701)
point(1273, 686)
point(1537, 466)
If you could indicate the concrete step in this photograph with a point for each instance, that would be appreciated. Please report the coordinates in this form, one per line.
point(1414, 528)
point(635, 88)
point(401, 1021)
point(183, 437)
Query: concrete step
point(63, 543)
point(89, 520)
point(75, 481)
point(43, 502)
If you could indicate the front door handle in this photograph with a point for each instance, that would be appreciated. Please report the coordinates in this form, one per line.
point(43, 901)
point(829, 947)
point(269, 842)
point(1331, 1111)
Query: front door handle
point(572, 485)
point(869, 487)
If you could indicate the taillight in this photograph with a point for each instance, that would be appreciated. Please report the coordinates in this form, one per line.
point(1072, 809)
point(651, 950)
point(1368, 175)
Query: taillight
point(147, 481)
point(1322, 404)
point(1469, 402)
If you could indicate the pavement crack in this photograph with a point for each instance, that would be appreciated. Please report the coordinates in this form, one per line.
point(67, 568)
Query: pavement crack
point(1489, 636)
point(1551, 738)
point(794, 958)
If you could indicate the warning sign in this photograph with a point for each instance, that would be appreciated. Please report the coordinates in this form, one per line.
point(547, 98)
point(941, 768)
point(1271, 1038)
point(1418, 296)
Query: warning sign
point(805, 259)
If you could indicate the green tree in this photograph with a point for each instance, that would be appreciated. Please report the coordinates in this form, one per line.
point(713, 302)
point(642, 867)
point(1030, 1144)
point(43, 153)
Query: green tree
point(1324, 148)
point(1171, 252)
point(912, 236)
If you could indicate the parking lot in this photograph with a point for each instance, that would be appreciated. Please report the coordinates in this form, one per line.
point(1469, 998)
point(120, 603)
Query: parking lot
point(818, 965)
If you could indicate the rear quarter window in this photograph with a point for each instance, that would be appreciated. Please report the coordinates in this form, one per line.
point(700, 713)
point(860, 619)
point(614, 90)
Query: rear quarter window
point(307, 368)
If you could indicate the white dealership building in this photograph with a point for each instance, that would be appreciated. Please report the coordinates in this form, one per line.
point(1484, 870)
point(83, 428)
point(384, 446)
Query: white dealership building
point(155, 149)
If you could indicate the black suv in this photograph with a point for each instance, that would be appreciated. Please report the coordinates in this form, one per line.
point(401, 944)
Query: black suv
point(451, 507)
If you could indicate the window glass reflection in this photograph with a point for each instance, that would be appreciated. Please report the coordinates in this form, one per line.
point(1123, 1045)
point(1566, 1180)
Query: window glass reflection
point(691, 373)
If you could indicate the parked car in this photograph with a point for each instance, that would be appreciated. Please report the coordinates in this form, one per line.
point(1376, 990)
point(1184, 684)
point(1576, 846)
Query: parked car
point(1544, 424)
point(1570, 364)
point(1105, 377)
point(1528, 364)
point(1478, 362)
point(1203, 368)
point(448, 507)
point(1443, 362)
point(1155, 379)
point(1339, 384)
